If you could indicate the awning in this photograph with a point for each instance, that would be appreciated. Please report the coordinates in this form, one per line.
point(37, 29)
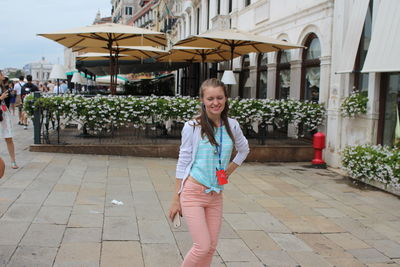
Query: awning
point(353, 35)
point(384, 50)
point(101, 67)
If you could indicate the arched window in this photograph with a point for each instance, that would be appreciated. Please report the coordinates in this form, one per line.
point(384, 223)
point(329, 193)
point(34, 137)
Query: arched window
point(244, 76)
point(283, 75)
point(311, 69)
point(361, 79)
point(262, 75)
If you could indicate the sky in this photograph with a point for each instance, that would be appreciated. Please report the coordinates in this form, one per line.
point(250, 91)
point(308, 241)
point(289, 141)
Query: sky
point(21, 20)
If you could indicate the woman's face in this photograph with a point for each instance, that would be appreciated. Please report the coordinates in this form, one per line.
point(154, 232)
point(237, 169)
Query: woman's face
point(214, 100)
point(1, 76)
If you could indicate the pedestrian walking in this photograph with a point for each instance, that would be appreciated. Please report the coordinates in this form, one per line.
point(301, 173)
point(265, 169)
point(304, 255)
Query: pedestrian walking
point(28, 88)
point(5, 121)
point(13, 96)
point(203, 168)
point(18, 100)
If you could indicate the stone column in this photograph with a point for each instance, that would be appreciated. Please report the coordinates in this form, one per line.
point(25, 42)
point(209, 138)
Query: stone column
point(295, 79)
point(324, 80)
point(295, 87)
point(271, 82)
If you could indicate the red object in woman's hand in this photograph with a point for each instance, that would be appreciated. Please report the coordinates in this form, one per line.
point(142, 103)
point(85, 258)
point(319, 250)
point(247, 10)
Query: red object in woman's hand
point(222, 177)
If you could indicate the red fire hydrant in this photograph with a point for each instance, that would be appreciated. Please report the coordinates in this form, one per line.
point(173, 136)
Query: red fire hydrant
point(318, 145)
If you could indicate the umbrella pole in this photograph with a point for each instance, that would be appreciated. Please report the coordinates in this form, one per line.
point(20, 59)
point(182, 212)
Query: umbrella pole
point(112, 87)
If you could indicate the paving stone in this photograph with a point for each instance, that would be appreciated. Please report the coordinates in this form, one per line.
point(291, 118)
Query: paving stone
point(55, 215)
point(33, 256)
point(289, 242)
point(78, 254)
point(324, 246)
point(118, 253)
point(311, 259)
point(82, 235)
point(369, 255)
point(241, 221)
point(330, 212)
point(32, 197)
point(87, 209)
point(43, 235)
point(166, 255)
point(61, 199)
point(268, 223)
point(345, 262)
point(120, 228)
point(387, 247)
point(86, 220)
point(248, 205)
point(12, 232)
point(9, 194)
point(282, 213)
point(322, 224)
point(244, 264)
point(258, 240)
point(5, 254)
point(227, 231)
point(235, 250)
point(347, 241)
point(184, 242)
point(230, 207)
point(21, 213)
point(155, 231)
point(66, 188)
point(120, 211)
point(358, 229)
point(276, 258)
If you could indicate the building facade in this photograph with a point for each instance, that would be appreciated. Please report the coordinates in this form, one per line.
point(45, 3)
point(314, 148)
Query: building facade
point(40, 70)
point(336, 36)
point(123, 10)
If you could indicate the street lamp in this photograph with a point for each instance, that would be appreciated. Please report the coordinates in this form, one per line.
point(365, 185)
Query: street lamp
point(58, 72)
point(76, 78)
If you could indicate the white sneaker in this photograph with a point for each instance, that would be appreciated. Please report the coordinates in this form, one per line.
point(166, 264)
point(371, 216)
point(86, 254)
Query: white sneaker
point(25, 127)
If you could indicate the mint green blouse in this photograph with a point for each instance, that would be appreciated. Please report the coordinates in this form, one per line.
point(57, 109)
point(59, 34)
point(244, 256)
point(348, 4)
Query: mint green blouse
point(207, 160)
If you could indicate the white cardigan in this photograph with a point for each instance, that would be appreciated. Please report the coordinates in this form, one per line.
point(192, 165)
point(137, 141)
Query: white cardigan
point(191, 135)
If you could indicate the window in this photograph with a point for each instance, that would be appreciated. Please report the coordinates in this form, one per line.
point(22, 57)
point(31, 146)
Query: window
point(244, 90)
point(389, 123)
point(283, 75)
point(128, 10)
point(218, 7)
point(262, 75)
point(361, 79)
point(311, 69)
point(230, 6)
point(247, 2)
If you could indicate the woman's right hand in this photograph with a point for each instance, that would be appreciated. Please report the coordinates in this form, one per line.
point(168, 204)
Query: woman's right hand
point(4, 95)
point(175, 207)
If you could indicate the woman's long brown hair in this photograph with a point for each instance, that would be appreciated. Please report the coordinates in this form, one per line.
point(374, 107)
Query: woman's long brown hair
point(207, 127)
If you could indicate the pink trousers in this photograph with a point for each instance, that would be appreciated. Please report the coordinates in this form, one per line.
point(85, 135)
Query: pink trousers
point(203, 215)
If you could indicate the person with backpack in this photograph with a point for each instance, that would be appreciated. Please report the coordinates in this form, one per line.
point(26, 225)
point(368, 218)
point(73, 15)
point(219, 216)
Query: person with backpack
point(6, 131)
point(28, 88)
point(18, 101)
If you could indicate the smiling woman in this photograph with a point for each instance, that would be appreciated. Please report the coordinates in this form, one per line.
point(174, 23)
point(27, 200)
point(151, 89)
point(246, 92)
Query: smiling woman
point(203, 168)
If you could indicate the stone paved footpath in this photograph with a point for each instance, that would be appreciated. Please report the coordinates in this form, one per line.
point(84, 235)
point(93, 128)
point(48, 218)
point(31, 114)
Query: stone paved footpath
point(56, 211)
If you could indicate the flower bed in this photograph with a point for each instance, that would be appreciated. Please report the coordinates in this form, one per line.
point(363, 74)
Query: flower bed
point(101, 113)
point(373, 163)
